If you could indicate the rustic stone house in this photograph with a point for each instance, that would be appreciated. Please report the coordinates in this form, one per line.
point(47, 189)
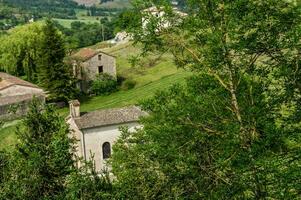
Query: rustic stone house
point(97, 131)
point(88, 63)
point(15, 92)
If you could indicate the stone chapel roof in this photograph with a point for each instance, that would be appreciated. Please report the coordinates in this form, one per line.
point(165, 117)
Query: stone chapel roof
point(109, 117)
point(87, 53)
point(7, 80)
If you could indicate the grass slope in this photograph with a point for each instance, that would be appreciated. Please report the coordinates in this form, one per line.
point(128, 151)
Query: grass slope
point(8, 137)
point(67, 22)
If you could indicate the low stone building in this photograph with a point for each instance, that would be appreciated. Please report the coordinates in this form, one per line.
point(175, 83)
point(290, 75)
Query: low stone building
point(15, 94)
point(97, 131)
point(88, 63)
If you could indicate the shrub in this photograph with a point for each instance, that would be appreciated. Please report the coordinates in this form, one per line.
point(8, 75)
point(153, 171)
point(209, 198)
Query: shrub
point(104, 84)
point(128, 84)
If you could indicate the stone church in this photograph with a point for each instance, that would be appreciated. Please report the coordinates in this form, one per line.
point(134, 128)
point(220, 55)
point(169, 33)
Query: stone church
point(97, 131)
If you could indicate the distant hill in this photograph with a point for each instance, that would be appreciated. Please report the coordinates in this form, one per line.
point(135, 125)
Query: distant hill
point(87, 2)
point(110, 4)
point(54, 8)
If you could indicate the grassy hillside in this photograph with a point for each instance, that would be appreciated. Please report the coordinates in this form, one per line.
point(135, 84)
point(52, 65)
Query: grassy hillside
point(152, 73)
point(8, 136)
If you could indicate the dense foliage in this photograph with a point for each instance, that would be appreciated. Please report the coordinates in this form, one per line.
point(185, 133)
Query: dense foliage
point(234, 130)
point(42, 160)
point(58, 8)
point(42, 166)
point(104, 84)
point(19, 50)
point(81, 34)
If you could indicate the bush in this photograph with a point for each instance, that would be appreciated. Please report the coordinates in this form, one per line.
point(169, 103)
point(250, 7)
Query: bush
point(128, 84)
point(104, 84)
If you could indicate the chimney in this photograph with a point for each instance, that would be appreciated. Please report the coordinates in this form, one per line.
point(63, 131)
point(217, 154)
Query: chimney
point(74, 107)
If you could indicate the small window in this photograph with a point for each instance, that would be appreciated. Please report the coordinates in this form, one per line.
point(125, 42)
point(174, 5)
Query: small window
point(99, 57)
point(100, 69)
point(106, 150)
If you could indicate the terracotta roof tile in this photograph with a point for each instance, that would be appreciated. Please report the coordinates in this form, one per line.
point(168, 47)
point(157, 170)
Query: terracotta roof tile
point(85, 54)
point(7, 80)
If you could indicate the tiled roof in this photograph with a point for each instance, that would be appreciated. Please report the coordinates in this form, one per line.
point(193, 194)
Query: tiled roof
point(87, 53)
point(109, 117)
point(8, 100)
point(7, 80)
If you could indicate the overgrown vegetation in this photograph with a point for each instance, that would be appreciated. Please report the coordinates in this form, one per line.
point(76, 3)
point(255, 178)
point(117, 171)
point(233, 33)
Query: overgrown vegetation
point(104, 84)
point(223, 135)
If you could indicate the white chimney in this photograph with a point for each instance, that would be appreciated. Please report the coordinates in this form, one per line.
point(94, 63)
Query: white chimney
point(74, 107)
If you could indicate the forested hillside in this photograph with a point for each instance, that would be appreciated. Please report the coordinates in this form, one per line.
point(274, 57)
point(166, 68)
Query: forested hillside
point(55, 7)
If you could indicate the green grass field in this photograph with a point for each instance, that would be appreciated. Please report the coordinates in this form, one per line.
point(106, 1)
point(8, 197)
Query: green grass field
point(153, 73)
point(8, 136)
point(67, 22)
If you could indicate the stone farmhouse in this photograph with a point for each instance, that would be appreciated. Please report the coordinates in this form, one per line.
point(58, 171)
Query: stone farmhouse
point(88, 63)
point(15, 92)
point(97, 131)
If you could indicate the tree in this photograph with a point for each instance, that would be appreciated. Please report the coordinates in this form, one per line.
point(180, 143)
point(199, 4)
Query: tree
point(86, 183)
point(224, 134)
point(19, 50)
point(43, 158)
point(54, 75)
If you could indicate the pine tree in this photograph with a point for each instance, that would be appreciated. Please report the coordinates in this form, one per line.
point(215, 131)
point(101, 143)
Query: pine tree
point(54, 75)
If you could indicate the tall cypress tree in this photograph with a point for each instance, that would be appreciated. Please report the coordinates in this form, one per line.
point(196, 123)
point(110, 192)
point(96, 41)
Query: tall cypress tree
point(54, 75)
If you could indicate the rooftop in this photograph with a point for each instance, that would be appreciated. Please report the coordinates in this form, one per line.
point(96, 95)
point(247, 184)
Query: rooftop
point(7, 80)
point(87, 53)
point(109, 117)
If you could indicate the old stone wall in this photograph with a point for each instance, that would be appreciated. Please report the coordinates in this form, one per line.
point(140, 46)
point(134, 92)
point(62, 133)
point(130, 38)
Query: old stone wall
point(90, 67)
point(15, 110)
point(15, 90)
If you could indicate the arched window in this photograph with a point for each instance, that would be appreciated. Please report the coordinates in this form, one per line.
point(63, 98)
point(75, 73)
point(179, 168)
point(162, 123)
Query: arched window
point(106, 150)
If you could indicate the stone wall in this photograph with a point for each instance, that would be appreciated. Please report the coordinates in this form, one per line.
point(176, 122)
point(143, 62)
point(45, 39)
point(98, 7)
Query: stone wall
point(90, 67)
point(15, 110)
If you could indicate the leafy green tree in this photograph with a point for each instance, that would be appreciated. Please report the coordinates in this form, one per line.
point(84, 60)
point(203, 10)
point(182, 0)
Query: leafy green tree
point(233, 130)
point(19, 50)
point(86, 183)
point(54, 75)
point(43, 158)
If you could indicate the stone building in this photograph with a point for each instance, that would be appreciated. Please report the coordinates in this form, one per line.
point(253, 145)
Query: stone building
point(97, 131)
point(15, 92)
point(88, 63)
